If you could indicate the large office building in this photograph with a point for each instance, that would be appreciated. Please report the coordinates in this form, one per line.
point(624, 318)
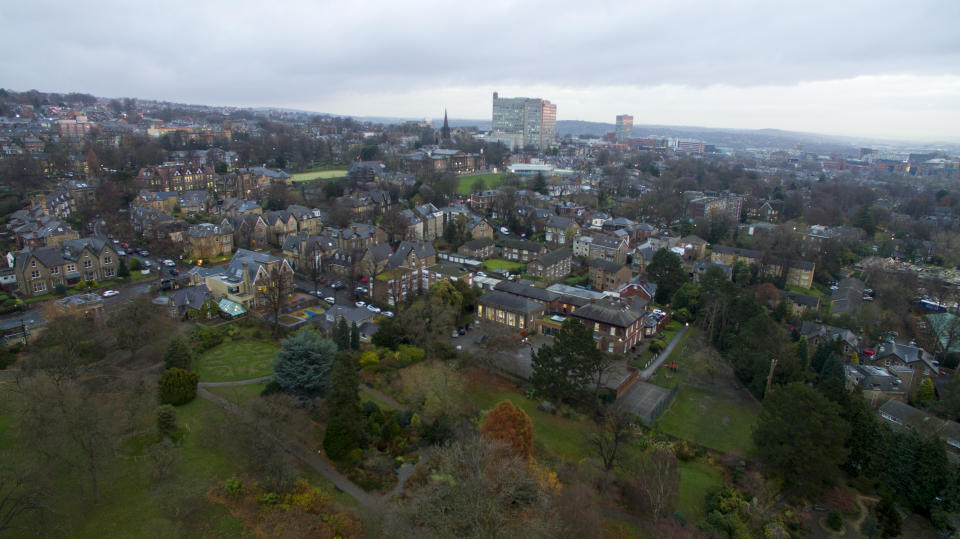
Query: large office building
point(624, 128)
point(522, 122)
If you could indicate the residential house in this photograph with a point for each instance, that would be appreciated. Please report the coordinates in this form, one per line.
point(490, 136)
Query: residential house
point(188, 301)
point(306, 252)
point(279, 224)
point(249, 231)
point(481, 249)
point(848, 297)
point(192, 202)
point(158, 200)
point(549, 299)
point(522, 251)
point(245, 280)
point(801, 303)
point(309, 220)
point(918, 360)
point(694, 247)
point(552, 266)
point(208, 240)
point(609, 248)
point(610, 276)
point(877, 383)
point(431, 221)
point(39, 270)
point(902, 416)
point(617, 325)
point(177, 178)
point(819, 334)
point(561, 230)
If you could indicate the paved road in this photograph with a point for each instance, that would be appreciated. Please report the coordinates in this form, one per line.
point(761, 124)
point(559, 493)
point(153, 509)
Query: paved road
point(645, 374)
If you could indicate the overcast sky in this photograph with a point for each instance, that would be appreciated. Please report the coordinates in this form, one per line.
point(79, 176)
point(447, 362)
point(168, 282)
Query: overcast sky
point(877, 68)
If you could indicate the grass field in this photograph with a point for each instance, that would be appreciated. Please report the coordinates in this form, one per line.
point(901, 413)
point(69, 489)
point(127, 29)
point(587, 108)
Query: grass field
point(696, 480)
point(555, 434)
point(490, 181)
point(319, 175)
point(238, 394)
point(237, 360)
point(496, 263)
point(710, 407)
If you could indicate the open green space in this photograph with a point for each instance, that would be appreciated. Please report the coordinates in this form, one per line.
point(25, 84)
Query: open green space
point(319, 175)
point(710, 408)
point(237, 360)
point(697, 479)
point(555, 434)
point(238, 394)
point(709, 420)
point(805, 291)
point(490, 181)
point(500, 264)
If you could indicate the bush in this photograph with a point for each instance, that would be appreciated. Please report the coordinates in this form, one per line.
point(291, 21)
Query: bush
point(835, 519)
point(177, 386)
point(178, 354)
point(60, 289)
point(270, 498)
point(166, 421)
point(206, 338)
point(369, 359)
point(657, 346)
point(233, 486)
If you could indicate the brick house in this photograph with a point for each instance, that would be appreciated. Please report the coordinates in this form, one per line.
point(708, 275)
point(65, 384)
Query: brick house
point(560, 230)
point(510, 310)
point(522, 251)
point(480, 248)
point(606, 275)
point(617, 326)
point(552, 266)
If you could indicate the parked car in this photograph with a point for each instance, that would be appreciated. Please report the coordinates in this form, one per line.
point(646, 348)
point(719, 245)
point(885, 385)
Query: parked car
point(462, 331)
point(144, 252)
point(121, 252)
point(169, 263)
point(360, 304)
point(331, 300)
point(373, 308)
point(455, 334)
point(337, 285)
point(388, 314)
point(110, 293)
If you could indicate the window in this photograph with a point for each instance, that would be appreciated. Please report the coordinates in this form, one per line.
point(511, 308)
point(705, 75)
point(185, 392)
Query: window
point(39, 286)
point(55, 270)
point(33, 263)
point(108, 260)
point(35, 274)
point(108, 272)
point(71, 268)
point(610, 347)
point(613, 331)
point(87, 263)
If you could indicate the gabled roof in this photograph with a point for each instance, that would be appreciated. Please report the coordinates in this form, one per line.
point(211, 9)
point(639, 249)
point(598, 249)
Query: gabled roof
point(509, 302)
point(255, 261)
point(553, 257)
point(191, 297)
point(607, 266)
point(610, 312)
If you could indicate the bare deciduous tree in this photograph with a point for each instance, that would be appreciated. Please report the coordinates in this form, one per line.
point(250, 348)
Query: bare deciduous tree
point(615, 429)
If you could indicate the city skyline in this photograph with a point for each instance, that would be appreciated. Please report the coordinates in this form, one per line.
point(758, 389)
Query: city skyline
point(850, 69)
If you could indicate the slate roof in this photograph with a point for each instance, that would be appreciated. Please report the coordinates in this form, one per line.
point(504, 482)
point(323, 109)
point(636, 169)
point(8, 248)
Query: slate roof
point(509, 302)
point(525, 291)
point(191, 297)
point(553, 257)
point(610, 312)
point(605, 265)
point(255, 259)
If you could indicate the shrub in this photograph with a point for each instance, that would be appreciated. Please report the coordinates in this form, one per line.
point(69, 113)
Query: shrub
point(60, 289)
point(206, 338)
point(178, 354)
point(657, 346)
point(270, 498)
point(369, 359)
point(407, 354)
point(166, 421)
point(835, 520)
point(177, 386)
point(233, 486)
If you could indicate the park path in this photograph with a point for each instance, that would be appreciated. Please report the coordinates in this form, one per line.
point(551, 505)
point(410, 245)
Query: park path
point(248, 381)
point(645, 374)
point(314, 460)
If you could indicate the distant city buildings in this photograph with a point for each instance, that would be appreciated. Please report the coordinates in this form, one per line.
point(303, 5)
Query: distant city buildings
point(522, 122)
point(624, 128)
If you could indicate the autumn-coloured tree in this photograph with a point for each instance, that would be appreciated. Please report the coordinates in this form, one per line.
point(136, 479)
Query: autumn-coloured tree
point(511, 425)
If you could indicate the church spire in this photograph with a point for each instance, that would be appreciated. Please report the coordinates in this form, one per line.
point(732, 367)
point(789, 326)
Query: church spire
point(445, 132)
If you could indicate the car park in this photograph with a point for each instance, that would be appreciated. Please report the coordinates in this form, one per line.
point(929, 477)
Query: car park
point(110, 293)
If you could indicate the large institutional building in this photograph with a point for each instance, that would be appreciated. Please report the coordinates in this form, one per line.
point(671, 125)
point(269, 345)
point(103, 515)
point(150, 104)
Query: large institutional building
point(624, 128)
point(521, 122)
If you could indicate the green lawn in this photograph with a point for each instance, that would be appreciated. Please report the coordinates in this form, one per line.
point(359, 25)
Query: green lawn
point(805, 291)
point(238, 394)
point(497, 263)
point(696, 480)
point(319, 175)
point(554, 434)
point(710, 420)
point(490, 181)
point(237, 360)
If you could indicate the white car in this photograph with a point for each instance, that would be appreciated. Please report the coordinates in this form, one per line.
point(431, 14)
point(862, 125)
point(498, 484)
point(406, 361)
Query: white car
point(388, 314)
point(360, 304)
point(331, 300)
point(481, 274)
point(373, 308)
point(110, 293)
point(169, 263)
point(145, 271)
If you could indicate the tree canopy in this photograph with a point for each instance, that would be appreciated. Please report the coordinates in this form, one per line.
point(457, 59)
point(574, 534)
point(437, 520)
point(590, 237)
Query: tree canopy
point(303, 365)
